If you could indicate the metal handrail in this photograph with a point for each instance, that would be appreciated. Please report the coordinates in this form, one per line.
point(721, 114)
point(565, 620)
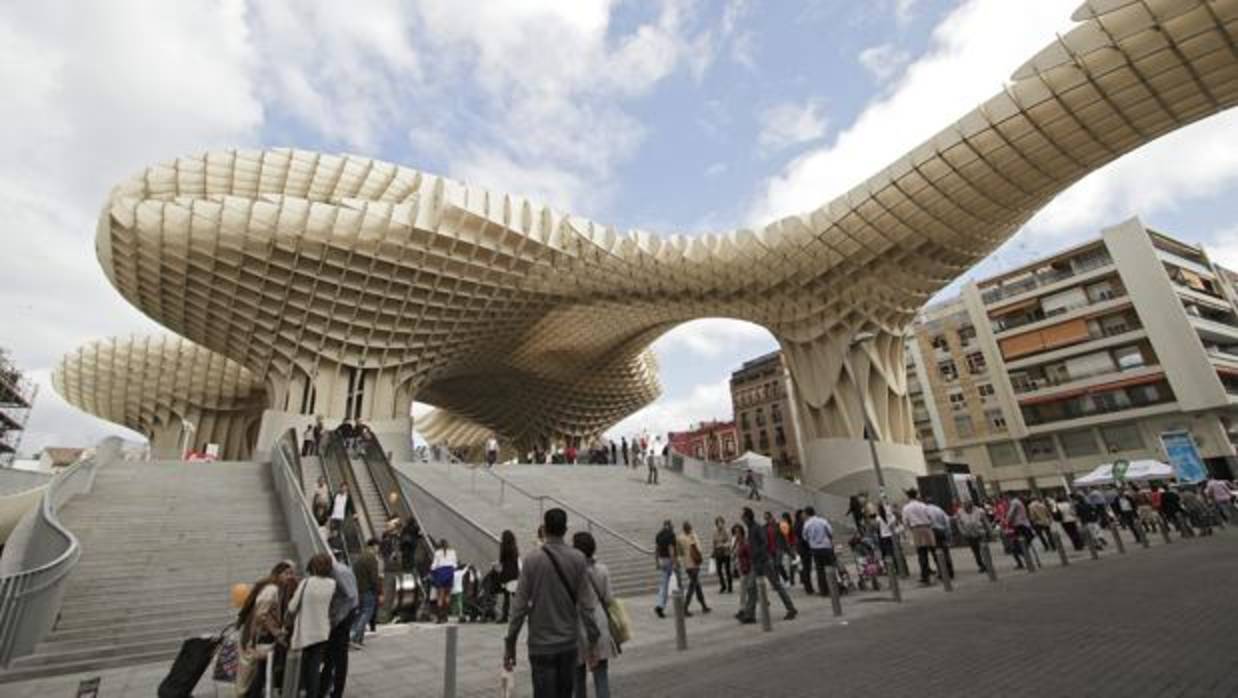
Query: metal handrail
point(541, 499)
point(306, 536)
point(30, 598)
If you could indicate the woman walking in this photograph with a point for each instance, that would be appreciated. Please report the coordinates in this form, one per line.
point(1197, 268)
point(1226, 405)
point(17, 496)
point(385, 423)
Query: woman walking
point(599, 579)
point(509, 570)
point(443, 577)
point(311, 605)
point(261, 625)
point(691, 558)
point(722, 556)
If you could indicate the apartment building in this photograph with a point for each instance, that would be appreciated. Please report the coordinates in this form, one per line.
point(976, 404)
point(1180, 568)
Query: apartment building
point(1105, 350)
point(761, 397)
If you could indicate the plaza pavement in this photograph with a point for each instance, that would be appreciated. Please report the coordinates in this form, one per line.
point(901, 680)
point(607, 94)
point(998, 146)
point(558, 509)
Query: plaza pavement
point(1155, 622)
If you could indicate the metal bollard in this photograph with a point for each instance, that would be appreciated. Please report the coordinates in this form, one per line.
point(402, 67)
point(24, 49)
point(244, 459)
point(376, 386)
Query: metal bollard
point(987, 556)
point(900, 561)
point(763, 599)
point(831, 581)
point(1143, 536)
point(681, 626)
point(1091, 542)
point(1165, 531)
point(1117, 538)
point(1061, 549)
point(1029, 554)
point(449, 663)
point(892, 575)
point(943, 572)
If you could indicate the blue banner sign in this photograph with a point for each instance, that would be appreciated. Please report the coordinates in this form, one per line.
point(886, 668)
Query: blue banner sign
point(1182, 454)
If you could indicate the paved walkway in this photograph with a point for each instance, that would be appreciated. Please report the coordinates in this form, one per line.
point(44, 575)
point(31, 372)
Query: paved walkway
point(1152, 622)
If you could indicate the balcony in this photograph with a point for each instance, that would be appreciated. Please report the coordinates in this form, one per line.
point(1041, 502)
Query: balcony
point(1128, 394)
point(1046, 386)
point(1098, 340)
point(1035, 321)
point(1042, 279)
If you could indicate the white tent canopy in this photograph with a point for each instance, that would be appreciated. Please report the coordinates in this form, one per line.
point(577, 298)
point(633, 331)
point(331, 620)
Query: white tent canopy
point(1138, 471)
point(755, 462)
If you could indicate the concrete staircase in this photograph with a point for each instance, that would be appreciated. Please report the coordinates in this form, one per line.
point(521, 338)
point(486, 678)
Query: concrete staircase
point(613, 495)
point(311, 470)
point(162, 544)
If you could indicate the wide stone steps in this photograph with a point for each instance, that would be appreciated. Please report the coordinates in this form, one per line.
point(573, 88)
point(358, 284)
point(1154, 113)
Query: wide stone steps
point(162, 545)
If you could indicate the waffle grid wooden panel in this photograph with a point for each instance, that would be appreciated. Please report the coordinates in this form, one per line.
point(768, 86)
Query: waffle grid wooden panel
point(150, 384)
point(368, 284)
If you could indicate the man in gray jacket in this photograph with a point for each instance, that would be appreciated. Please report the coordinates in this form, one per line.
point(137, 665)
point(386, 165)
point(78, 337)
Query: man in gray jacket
point(555, 595)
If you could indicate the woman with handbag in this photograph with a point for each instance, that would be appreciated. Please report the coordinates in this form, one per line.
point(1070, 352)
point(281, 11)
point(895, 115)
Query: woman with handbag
point(606, 648)
point(443, 578)
point(690, 550)
point(260, 623)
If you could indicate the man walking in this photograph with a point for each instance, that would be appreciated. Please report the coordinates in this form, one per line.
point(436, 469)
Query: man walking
point(665, 553)
point(614, 456)
point(623, 447)
point(805, 552)
point(1042, 520)
point(651, 462)
point(762, 566)
point(1217, 492)
point(341, 613)
point(555, 595)
point(917, 518)
point(818, 537)
point(941, 537)
point(369, 590)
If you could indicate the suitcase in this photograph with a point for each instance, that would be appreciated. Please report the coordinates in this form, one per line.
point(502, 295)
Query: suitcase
point(190, 664)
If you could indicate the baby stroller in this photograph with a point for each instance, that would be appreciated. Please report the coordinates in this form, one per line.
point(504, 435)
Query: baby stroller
point(479, 597)
point(868, 567)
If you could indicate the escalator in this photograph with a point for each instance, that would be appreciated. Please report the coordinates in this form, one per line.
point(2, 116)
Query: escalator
point(348, 542)
point(385, 499)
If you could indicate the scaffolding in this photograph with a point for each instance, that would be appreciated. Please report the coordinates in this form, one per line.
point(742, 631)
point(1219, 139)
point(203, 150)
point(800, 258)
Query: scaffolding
point(17, 393)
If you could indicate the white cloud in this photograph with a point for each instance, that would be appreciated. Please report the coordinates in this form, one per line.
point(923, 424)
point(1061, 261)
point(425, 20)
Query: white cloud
point(711, 337)
point(787, 124)
point(883, 61)
point(715, 169)
point(1163, 175)
point(707, 401)
point(1224, 249)
point(93, 94)
point(904, 10)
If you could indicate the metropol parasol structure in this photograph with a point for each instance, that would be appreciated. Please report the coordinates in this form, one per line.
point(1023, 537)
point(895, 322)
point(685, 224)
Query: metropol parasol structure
point(344, 286)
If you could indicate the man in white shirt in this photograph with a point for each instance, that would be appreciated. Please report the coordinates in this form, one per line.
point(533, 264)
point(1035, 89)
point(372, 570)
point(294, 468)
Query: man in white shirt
point(492, 451)
point(941, 535)
point(819, 536)
point(917, 517)
point(341, 508)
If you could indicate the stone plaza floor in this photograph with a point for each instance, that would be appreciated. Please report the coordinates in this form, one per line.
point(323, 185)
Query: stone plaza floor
point(1153, 622)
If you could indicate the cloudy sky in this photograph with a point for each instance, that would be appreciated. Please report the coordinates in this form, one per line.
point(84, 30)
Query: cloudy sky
point(678, 116)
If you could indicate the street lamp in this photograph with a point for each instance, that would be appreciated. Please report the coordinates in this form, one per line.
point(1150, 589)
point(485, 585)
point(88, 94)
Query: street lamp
point(856, 341)
point(900, 565)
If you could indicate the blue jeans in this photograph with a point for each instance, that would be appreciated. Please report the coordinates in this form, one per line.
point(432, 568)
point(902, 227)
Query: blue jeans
point(601, 681)
point(368, 604)
point(666, 567)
